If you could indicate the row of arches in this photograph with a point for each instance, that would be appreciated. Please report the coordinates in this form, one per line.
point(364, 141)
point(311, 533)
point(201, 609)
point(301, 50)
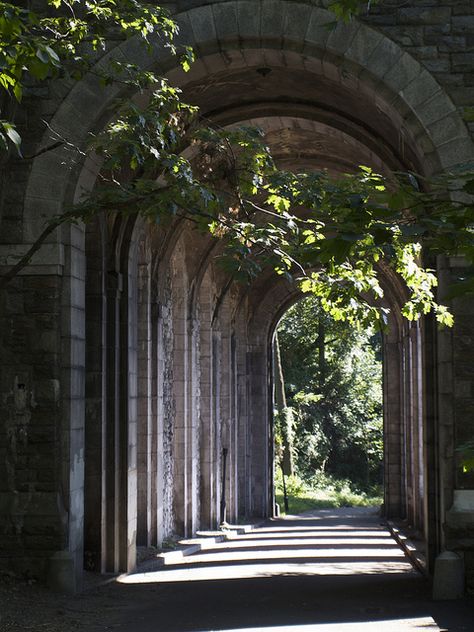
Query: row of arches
point(164, 361)
point(163, 374)
point(178, 395)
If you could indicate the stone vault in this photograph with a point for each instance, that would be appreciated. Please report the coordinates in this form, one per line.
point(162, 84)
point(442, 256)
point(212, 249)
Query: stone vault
point(129, 360)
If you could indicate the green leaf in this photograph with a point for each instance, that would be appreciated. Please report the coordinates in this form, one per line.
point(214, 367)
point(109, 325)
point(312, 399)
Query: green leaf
point(11, 133)
point(42, 55)
point(468, 465)
point(18, 91)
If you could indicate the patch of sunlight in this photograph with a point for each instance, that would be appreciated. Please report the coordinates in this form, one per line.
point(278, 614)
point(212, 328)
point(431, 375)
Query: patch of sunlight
point(288, 527)
point(290, 540)
point(336, 513)
point(393, 625)
point(316, 533)
point(242, 556)
point(249, 571)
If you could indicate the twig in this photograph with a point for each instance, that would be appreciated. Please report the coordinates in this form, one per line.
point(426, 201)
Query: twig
point(55, 145)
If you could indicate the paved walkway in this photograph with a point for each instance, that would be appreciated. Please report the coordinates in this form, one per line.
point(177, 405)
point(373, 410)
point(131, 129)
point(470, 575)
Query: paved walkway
point(326, 571)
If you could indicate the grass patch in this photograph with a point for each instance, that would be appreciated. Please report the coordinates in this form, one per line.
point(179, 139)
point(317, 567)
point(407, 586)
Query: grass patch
point(323, 493)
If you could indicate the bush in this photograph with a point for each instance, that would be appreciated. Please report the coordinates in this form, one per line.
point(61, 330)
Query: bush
point(323, 492)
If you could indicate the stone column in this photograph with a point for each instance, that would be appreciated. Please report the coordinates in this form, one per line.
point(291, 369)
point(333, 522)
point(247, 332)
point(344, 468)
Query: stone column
point(457, 366)
point(145, 532)
point(42, 414)
point(258, 393)
point(208, 518)
point(96, 401)
point(114, 293)
point(393, 503)
point(243, 429)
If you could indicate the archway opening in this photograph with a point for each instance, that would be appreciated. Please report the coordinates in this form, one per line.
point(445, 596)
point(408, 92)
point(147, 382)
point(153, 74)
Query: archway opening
point(328, 411)
point(318, 109)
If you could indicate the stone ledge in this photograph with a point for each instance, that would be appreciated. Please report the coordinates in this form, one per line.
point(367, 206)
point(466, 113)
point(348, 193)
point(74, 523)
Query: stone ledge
point(186, 547)
point(416, 556)
point(460, 517)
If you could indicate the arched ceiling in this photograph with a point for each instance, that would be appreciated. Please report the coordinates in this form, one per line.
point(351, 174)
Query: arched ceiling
point(321, 123)
point(310, 123)
point(307, 144)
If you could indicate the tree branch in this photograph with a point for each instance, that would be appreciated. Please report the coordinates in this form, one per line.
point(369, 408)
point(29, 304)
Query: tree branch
point(25, 260)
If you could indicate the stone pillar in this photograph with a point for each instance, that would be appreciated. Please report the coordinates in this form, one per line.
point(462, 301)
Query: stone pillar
point(96, 402)
point(127, 446)
point(146, 535)
point(194, 423)
point(165, 413)
point(233, 503)
point(431, 454)
point(208, 518)
point(114, 292)
point(457, 390)
point(258, 393)
point(226, 410)
point(73, 391)
point(459, 530)
point(393, 432)
point(216, 456)
point(184, 488)
point(243, 426)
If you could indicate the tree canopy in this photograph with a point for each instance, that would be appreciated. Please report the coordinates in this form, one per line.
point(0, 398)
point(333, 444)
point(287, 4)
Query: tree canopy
point(333, 385)
point(330, 235)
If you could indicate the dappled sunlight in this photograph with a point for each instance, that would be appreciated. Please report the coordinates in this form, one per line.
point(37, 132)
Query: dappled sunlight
point(254, 571)
point(276, 553)
point(392, 625)
point(273, 551)
point(280, 577)
point(318, 532)
point(304, 542)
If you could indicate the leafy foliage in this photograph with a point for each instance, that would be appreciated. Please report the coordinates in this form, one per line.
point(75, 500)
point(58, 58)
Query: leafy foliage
point(329, 235)
point(333, 377)
point(65, 39)
point(346, 9)
point(465, 454)
point(324, 493)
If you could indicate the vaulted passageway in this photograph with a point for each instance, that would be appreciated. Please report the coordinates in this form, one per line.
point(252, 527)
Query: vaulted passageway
point(160, 362)
point(406, 447)
point(186, 352)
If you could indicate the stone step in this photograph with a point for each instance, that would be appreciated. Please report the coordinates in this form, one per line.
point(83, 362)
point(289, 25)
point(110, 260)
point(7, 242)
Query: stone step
point(203, 541)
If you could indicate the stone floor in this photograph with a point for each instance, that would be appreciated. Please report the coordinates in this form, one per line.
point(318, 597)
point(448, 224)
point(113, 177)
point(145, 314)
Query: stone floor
point(324, 571)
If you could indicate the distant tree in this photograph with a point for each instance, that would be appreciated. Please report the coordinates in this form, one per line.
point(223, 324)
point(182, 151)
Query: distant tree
point(333, 377)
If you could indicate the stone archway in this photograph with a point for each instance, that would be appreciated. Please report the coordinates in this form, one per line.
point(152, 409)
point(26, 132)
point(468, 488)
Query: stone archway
point(324, 98)
point(404, 424)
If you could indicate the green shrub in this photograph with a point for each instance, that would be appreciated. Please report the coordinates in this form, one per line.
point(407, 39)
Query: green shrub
point(324, 492)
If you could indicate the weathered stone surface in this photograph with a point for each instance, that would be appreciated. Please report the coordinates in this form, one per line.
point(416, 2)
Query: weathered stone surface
point(463, 24)
point(425, 15)
point(248, 17)
point(202, 22)
point(225, 18)
point(122, 372)
point(448, 582)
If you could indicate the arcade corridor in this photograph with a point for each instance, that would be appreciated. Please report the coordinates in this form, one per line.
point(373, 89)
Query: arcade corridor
point(324, 571)
point(131, 361)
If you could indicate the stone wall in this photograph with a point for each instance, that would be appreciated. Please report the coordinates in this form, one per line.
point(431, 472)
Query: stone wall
point(32, 511)
point(127, 351)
